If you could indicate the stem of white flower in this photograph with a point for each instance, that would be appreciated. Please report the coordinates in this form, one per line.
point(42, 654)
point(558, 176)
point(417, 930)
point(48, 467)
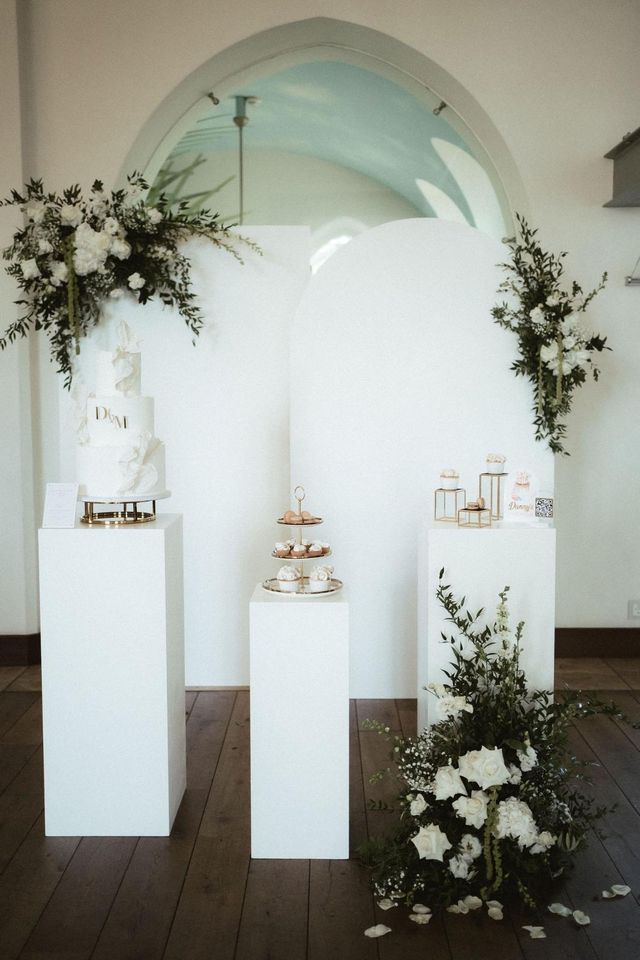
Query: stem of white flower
point(72, 293)
point(559, 379)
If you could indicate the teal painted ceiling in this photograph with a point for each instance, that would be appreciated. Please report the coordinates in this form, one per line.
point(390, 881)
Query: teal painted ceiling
point(345, 115)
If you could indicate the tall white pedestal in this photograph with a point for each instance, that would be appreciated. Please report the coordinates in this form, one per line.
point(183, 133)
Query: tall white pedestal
point(299, 664)
point(113, 678)
point(478, 564)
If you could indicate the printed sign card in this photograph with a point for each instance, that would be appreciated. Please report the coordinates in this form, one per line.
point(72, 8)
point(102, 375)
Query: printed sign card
point(60, 506)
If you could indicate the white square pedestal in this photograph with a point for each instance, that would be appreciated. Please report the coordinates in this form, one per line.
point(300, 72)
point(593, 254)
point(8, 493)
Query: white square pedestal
point(478, 564)
point(113, 678)
point(299, 726)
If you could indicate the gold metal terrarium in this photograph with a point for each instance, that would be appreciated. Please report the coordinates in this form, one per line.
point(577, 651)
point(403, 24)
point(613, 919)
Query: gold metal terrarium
point(474, 516)
point(491, 488)
point(447, 503)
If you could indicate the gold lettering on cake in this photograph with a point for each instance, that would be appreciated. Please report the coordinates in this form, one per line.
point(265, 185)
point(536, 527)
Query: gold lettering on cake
point(117, 420)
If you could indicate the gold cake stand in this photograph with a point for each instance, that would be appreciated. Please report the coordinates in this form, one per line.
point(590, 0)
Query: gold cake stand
point(122, 512)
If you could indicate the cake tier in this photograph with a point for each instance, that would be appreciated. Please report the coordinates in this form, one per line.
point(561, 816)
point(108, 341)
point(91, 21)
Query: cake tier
point(114, 472)
point(117, 373)
point(117, 421)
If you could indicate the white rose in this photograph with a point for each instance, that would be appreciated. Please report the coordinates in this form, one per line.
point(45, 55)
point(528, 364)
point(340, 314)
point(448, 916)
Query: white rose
point(470, 847)
point(30, 269)
point(515, 820)
point(451, 706)
point(34, 210)
point(544, 840)
point(154, 215)
point(537, 315)
point(447, 783)
point(473, 809)
point(120, 248)
point(459, 867)
point(58, 270)
point(418, 806)
point(528, 759)
point(135, 281)
point(70, 214)
point(552, 300)
point(44, 246)
point(484, 767)
point(111, 226)
point(569, 342)
point(549, 353)
point(431, 842)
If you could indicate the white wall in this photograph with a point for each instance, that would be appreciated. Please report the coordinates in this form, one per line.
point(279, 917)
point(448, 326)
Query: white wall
point(558, 80)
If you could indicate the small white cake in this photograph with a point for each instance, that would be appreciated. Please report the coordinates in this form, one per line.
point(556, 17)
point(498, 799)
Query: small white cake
point(320, 578)
point(449, 479)
point(289, 579)
point(496, 463)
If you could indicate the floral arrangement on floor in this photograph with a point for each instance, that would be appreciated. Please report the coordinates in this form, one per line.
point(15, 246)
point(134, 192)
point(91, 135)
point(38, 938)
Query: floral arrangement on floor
point(74, 252)
point(490, 809)
point(555, 350)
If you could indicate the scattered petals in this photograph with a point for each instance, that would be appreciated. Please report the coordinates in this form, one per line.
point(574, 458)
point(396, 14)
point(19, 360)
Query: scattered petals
point(378, 931)
point(420, 908)
point(420, 917)
point(387, 904)
point(495, 913)
point(536, 933)
point(494, 903)
point(560, 909)
point(620, 889)
point(459, 907)
point(474, 903)
point(608, 895)
point(581, 918)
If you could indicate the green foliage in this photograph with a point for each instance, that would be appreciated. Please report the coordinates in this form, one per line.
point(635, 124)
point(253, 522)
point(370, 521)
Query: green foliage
point(554, 351)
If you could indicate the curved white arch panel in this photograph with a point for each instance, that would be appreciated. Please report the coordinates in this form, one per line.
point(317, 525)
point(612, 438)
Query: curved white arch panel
point(397, 371)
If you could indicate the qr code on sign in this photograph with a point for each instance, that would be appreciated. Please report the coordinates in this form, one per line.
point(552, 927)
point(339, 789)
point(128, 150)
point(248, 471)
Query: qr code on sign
point(544, 507)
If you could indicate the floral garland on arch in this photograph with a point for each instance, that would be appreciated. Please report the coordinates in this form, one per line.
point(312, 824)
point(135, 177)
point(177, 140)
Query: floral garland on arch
point(555, 350)
point(74, 252)
point(489, 805)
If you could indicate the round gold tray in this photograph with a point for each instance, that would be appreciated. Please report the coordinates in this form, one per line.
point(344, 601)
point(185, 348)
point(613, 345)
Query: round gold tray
point(300, 523)
point(271, 586)
point(305, 558)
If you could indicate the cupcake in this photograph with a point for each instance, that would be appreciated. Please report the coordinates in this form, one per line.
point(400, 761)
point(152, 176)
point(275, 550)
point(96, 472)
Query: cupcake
point(449, 479)
point(496, 463)
point(314, 550)
point(298, 550)
point(289, 579)
point(320, 579)
point(326, 548)
point(282, 550)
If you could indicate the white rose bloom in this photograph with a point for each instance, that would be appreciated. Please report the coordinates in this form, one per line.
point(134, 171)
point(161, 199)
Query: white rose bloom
point(30, 269)
point(515, 774)
point(459, 867)
point(544, 841)
point(528, 759)
point(120, 248)
point(552, 300)
point(549, 353)
point(470, 847)
point(473, 809)
point(34, 210)
point(451, 706)
point(154, 215)
point(537, 316)
point(515, 820)
point(418, 806)
point(44, 246)
point(447, 783)
point(70, 214)
point(135, 281)
point(431, 842)
point(569, 342)
point(484, 767)
point(111, 226)
point(58, 270)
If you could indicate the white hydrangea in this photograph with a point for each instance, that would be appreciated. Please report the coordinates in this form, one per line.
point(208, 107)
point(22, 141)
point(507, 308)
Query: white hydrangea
point(91, 250)
point(528, 758)
point(515, 820)
point(544, 841)
point(135, 281)
point(30, 269)
point(70, 214)
point(58, 271)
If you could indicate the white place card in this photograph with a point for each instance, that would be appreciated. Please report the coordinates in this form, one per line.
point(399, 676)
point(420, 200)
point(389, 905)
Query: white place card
point(60, 505)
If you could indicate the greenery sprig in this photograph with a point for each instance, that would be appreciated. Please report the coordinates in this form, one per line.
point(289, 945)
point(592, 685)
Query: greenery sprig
point(75, 252)
point(554, 350)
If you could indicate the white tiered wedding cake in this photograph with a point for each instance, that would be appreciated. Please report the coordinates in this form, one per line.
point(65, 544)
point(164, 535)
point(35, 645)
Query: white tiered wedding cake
point(118, 455)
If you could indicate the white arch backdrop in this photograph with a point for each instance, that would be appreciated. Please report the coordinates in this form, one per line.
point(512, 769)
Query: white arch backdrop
point(397, 371)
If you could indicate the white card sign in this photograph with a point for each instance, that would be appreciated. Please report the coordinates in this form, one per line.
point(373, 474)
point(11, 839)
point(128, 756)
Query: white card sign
point(60, 506)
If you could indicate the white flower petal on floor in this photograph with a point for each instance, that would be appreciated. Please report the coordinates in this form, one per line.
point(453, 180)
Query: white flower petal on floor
point(473, 903)
point(459, 907)
point(620, 889)
point(378, 931)
point(608, 895)
point(581, 918)
point(387, 904)
point(420, 917)
point(560, 909)
point(536, 933)
point(495, 913)
point(420, 908)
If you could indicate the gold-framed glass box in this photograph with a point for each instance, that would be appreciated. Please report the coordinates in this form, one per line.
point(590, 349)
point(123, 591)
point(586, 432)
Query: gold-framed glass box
point(474, 517)
point(446, 503)
point(491, 488)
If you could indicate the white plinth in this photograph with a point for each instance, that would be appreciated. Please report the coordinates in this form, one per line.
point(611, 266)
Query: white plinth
point(113, 678)
point(299, 664)
point(478, 564)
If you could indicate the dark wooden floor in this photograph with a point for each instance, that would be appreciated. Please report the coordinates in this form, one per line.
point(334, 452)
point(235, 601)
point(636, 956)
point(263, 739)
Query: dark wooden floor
point(197, 894)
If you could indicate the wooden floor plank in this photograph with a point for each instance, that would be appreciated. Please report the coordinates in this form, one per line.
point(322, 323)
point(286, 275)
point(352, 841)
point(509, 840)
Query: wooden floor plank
point(27, 885)
point(628, 668)
point(13, 758)
point(210, 905)
point(273, 925)
point(21, 803)
point(30, 679)
point(408, 715)
point(13, 705)
point(341, 908)
point(615, 752)
point(587, 673)
point(8, 675)
point(28, 729)
point(140, 919)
